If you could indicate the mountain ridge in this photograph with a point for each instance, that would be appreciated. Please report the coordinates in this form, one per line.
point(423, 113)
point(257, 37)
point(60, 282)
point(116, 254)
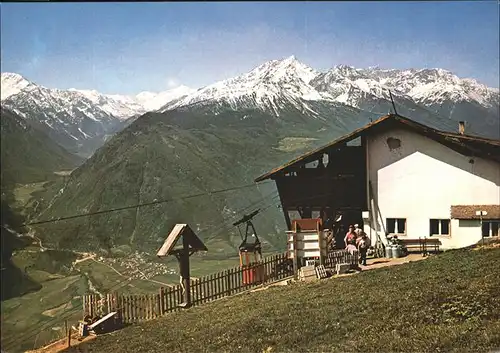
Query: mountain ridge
point(82, 120)
point(120, 106)
point(79, 120)
point(422, 85)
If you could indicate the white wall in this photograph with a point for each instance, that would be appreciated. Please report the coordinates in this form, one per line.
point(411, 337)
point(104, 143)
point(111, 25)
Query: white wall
point(422, 178)
point(465, 233)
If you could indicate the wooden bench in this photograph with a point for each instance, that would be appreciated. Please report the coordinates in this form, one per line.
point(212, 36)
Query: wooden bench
point(422, 245)
point(104, 324)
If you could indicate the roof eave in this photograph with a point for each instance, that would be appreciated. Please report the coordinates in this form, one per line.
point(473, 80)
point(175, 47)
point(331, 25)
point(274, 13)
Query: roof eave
point(444, 137)
point(345, 138)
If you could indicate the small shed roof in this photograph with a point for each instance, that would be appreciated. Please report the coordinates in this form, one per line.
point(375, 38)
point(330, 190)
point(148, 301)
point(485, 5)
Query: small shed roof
point(465, 144)
point(186, 232)
point(469, 211)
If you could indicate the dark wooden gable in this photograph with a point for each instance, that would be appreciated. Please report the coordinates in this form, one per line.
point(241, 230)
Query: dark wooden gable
point(172, 244)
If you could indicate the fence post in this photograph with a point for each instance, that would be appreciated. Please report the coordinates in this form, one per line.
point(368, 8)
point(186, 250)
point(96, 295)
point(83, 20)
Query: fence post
point(90, 299)
point(158, 305)
point(109, 304)
point(91, 305)
point(68, 333)
point(162, 301)
point(228, 282)
point(118, 307)
point(295, 260)
point(83, 305)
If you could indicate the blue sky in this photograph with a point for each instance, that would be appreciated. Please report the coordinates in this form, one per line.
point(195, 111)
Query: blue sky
point(127, 48)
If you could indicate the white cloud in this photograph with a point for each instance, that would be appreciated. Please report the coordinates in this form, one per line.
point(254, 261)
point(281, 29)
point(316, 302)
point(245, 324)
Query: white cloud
point(172, 83)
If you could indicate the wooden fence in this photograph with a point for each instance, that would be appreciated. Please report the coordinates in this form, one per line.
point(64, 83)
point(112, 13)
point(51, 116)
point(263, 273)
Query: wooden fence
point(135, 308)
point(341, 257)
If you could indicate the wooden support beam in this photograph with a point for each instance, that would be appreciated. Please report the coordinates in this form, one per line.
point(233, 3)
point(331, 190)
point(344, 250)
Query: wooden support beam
point(295, 257)
point(186, 278)
point(283, 206)
point(68, 333)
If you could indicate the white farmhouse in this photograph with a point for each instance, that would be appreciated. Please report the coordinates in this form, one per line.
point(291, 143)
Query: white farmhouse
point(397, 176)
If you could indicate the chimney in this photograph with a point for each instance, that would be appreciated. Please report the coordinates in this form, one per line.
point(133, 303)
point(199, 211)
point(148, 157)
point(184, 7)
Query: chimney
point(461, 127)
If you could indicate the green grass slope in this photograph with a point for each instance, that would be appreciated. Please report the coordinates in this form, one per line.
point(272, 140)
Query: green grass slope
point(447, 303)
point(27, 154)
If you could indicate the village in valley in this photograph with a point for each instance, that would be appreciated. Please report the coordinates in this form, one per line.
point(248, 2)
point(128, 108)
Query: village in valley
point(131, 265)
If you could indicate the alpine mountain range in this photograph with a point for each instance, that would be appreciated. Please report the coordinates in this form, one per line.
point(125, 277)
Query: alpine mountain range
point(187, 141)
point(81, 120)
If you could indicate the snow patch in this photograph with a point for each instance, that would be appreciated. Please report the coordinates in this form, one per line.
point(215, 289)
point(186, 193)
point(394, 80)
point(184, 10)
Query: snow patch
point(83, 133)
point(11, 84)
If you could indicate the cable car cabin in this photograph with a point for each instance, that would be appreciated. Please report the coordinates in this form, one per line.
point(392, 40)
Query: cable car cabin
point(250, 253)
point(250, 256)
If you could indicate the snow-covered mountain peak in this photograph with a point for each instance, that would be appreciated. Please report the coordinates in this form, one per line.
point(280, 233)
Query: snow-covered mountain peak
point(344, 68)
point(435, 85)
point(343, 72)
point(154, 101)
point(121, 107)
point(12, 76)
point(11, 84)
point(92, 95)
point(277, 71)
point(349, 85)
point(263, 87)
point(87, 92)
point(145, 95)
point(428, 86)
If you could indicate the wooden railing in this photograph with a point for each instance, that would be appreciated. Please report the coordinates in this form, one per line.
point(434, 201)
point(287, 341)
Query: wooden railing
point(141, 307)
point(136, 308)
point(341, 257)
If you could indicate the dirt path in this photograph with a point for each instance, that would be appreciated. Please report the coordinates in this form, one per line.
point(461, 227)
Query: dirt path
point(372, 264)
point(62, 344)
point(85, 258)
point(63, 172)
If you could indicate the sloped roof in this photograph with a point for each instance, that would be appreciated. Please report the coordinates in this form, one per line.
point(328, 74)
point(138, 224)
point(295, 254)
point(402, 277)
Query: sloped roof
point(469, 211)
point(464, 144)
point(179, 230)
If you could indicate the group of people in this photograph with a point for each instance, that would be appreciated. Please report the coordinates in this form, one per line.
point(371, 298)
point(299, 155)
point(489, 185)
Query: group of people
point(356, 239)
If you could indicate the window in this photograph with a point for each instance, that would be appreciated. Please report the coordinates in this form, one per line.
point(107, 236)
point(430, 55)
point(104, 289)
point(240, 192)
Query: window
point(354, 142)
point(313, 164)
point(439, 227)
point(293, 214)
point(491, 228)
point(396, 225)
